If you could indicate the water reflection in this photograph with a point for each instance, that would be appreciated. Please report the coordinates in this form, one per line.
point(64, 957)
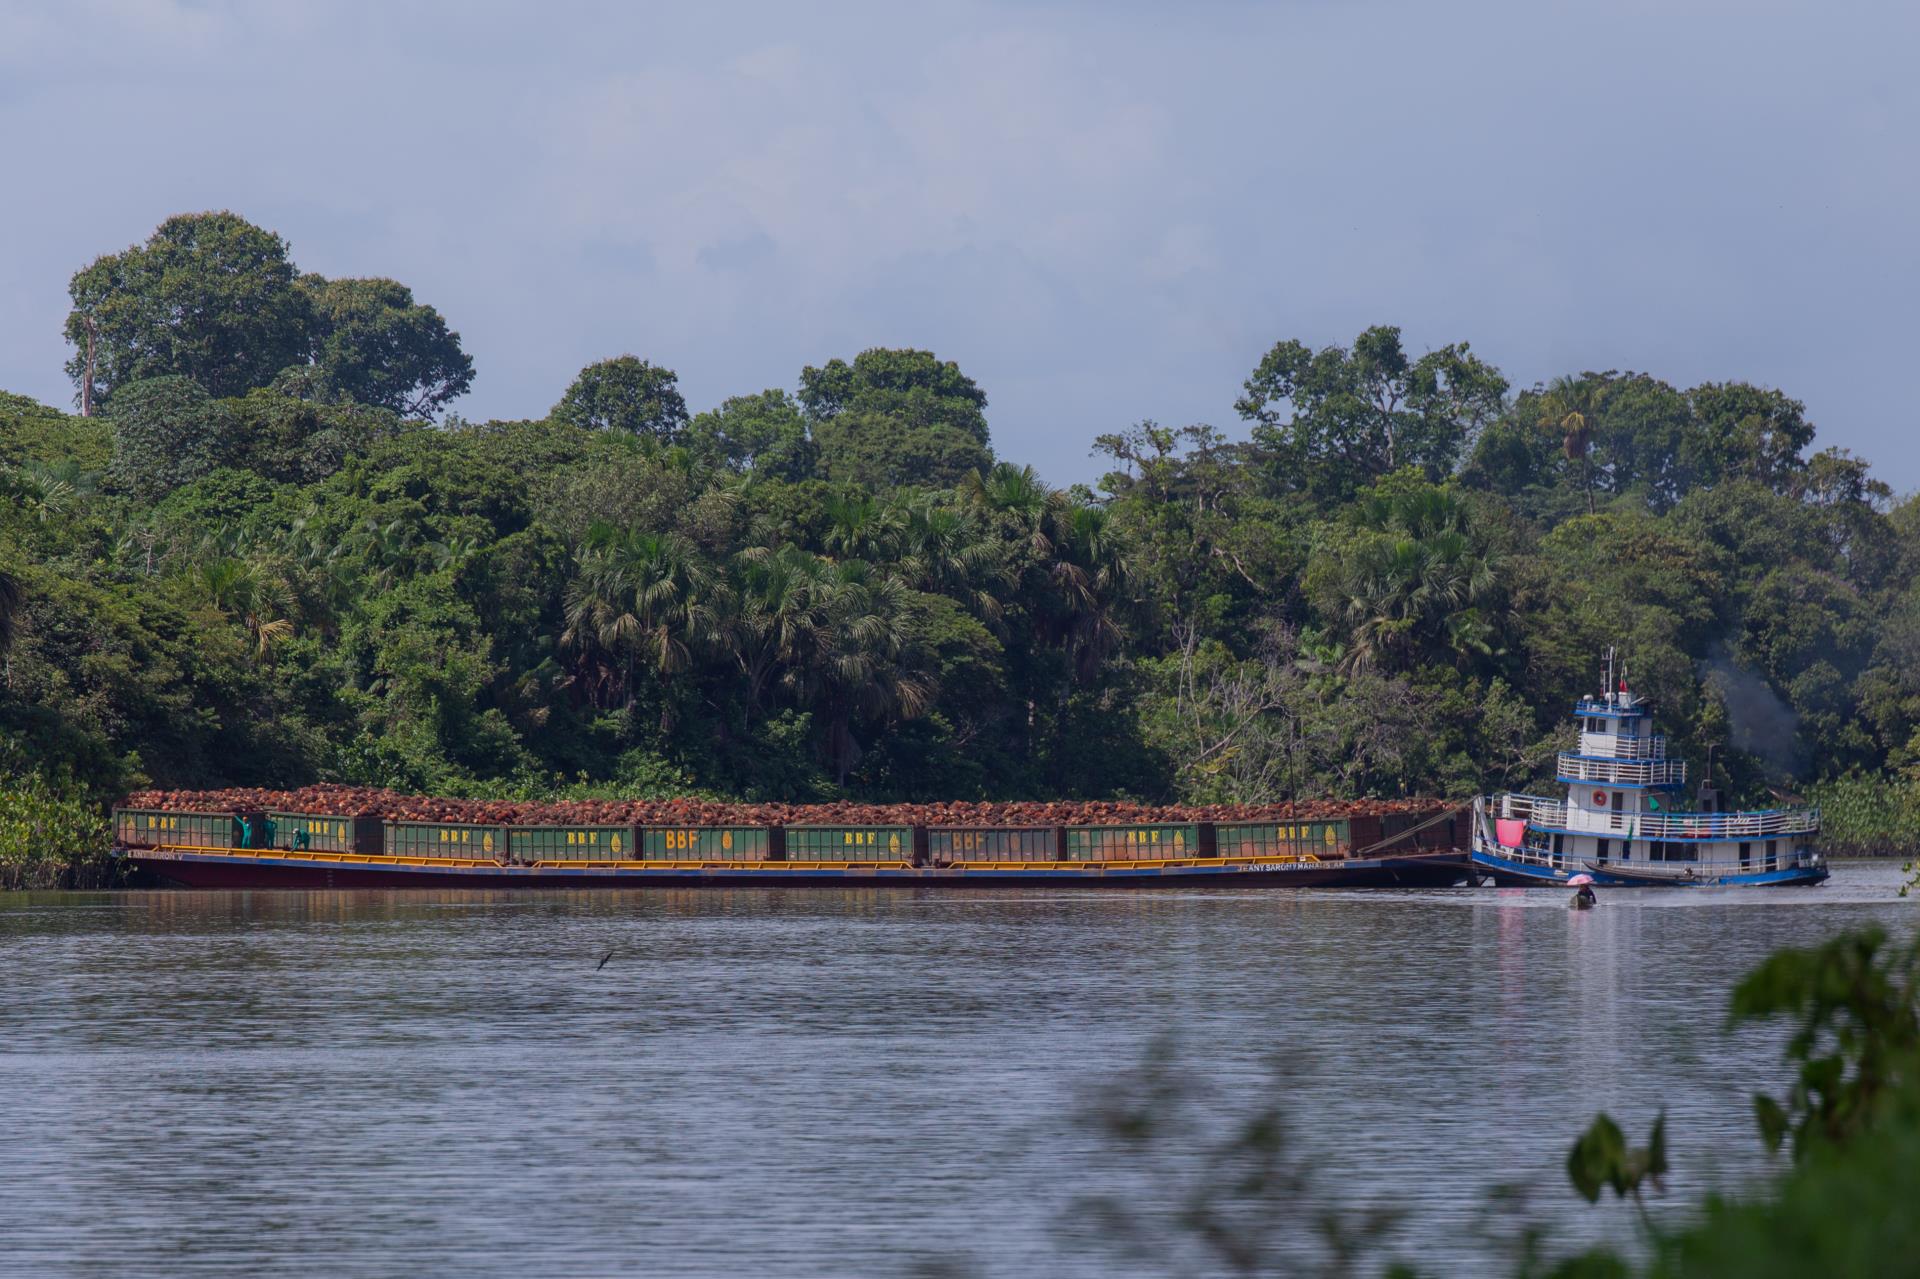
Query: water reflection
point(809, 1081)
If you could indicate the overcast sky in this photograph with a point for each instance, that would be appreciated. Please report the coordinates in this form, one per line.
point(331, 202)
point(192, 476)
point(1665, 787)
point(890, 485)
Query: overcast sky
point(1103, 212)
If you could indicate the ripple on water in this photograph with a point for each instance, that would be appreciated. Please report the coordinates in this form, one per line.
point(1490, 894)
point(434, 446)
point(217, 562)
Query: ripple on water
point(827, 1082)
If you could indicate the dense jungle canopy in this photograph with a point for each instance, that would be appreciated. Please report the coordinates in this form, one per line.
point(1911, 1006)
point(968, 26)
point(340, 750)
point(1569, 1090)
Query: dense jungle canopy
point(271, 554)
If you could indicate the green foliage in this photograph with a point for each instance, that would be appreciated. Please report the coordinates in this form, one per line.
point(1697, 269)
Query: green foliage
point(912, 385)
point(896, 417)
point(842, 592)
point(1410, 579)
point(1864, 813)
point(1601, 1160)
point(1184, 1187)
point(1856, 1037)
point(47, 832)
point(1338, 418)
point(764, 435)
point(209, 297)
point(880, 450)
point(1842, 1214)
point(297, 440)
point(30, 432)
point(372, 344)
point(625, 394)
point(167, 431)
point(1560, 447)
point(1853, 1114)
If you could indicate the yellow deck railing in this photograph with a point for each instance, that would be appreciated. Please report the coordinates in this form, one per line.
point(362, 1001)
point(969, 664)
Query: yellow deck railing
point(783, 867)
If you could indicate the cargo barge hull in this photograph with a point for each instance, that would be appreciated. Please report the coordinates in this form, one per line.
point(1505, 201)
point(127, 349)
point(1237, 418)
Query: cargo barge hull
point(230, 869)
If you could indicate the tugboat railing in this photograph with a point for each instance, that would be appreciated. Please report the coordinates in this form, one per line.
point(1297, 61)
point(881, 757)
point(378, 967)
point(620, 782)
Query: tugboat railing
point(1537, 851)
point(1622, 772)
point(1600, 706)
point(1552, 814)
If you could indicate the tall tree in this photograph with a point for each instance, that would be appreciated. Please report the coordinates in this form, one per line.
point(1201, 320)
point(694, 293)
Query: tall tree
point(373, 344)
point(1748, 432)
point(209, 296)
point(763, 435)
point(1569, 410)
point(896, 417)
point(626, 394)
point(1340, 417)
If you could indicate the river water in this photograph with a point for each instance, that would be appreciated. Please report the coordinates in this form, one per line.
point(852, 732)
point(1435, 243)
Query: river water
point(824, 1082)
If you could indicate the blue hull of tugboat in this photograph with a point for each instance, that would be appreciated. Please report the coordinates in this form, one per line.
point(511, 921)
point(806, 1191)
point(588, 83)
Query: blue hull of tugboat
point(1508, 873)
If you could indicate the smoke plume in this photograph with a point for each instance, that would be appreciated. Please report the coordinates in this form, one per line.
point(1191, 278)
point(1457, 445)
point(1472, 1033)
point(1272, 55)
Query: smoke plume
point(1760, 723)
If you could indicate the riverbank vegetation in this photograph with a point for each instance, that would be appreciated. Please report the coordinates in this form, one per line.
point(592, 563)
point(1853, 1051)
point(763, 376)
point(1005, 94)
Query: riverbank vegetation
point(270, 552)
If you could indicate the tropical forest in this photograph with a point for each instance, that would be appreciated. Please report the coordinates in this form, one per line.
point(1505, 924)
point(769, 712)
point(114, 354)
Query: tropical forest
point(262, 545)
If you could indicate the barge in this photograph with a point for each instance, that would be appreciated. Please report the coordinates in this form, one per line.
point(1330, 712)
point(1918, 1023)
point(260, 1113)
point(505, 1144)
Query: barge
point(1618, 821)
point(248, 850)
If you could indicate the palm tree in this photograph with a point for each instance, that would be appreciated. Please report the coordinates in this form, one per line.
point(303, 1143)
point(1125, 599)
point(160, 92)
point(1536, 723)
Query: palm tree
point(1017, 497)
point(1417, 585)
point(1088, 570)
point(257, 600)
point(943, 552)
point(776, 615)
point(865, 668)
point(638, 596)
point(860, 526)
point(1570, 408)
point(48, 490)
point(392, 551)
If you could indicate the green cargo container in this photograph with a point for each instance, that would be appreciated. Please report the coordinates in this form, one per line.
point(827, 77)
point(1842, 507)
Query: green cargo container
point(1132, 843)
point(849, 843)
point(325, 833)
point(994, 843)
point(570, 843)
point(151, 828)
point(445, 839)
point(1281, 839)
point(705, 843)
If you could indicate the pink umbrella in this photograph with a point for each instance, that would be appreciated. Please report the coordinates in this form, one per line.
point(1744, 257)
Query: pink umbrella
point(1578, 880)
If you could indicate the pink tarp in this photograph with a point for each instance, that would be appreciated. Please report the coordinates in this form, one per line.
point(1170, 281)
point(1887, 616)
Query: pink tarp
point(1510, 832)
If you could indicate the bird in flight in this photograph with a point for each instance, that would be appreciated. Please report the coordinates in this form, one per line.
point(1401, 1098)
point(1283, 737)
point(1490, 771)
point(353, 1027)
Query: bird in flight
point(603, 961)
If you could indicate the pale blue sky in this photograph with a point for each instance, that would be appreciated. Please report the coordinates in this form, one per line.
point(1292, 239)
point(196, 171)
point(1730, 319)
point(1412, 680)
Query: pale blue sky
point(1103, 211)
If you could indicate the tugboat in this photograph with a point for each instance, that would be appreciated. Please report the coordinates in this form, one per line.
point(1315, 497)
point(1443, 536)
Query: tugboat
point(1619, 824)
